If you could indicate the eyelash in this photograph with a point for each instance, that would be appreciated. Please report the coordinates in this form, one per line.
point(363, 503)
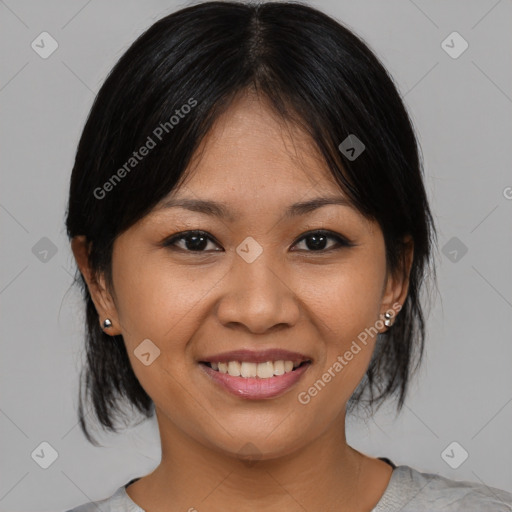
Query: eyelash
point(342, 242)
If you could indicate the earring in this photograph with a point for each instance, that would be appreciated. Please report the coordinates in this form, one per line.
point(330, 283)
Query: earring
point(107, 323)
point(388, 317)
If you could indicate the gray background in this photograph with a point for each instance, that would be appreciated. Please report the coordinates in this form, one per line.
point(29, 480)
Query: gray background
point(461, 108)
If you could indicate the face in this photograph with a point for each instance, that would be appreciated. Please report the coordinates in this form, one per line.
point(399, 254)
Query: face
point(258, 280)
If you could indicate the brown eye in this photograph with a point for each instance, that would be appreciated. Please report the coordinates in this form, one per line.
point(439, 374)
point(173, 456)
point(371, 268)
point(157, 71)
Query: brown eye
point(197, 241)
point(316, 241)
point(193, 241)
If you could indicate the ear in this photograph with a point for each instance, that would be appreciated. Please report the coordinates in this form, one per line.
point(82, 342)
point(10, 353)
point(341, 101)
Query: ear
point(96, 284)
point(397, 283)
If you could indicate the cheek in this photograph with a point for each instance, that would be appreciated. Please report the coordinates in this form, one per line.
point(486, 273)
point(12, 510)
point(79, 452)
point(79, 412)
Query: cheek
point(347, 298)
point(346, 304)
point(164, 303)
point(154, 298)
point(154, 302)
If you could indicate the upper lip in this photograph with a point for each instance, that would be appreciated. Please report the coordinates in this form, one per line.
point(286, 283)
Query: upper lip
point(260, 356)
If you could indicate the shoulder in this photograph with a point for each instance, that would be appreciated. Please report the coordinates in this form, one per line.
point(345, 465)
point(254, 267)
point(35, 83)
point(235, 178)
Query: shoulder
point(118, 502)
point(411, 490)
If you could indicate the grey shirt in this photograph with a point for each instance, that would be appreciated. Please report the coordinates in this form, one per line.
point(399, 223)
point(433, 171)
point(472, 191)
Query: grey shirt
point(408, 490)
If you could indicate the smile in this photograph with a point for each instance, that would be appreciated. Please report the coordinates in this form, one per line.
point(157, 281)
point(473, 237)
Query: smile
point(265, 370)
point(255, 381)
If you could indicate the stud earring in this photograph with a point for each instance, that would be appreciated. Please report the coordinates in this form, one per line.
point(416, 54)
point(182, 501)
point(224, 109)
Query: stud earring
point(388, 317)
point(107, 323)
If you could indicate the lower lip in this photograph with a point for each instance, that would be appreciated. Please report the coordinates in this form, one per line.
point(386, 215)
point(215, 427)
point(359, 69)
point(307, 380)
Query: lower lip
point(253, 388)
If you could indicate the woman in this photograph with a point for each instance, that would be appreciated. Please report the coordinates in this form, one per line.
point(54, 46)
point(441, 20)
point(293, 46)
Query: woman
point(252, 231)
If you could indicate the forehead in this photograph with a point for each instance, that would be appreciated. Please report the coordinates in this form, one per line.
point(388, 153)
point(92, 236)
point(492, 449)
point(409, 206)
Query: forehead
point(254, 166)
point(251, 151)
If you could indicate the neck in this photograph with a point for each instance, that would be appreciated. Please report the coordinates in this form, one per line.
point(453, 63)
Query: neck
point(325, 474)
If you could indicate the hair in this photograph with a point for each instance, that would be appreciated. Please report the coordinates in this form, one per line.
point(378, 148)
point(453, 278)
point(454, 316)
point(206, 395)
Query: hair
point(313, 72)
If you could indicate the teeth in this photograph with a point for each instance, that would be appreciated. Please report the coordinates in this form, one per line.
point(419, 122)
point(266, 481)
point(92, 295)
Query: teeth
point(279, 368)
point(248, 369)
point(261, 370)
point(234, 368)
point(265, 370)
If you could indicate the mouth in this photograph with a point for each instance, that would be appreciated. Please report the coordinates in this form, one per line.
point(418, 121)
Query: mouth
point(248, 370)
point(255, 375)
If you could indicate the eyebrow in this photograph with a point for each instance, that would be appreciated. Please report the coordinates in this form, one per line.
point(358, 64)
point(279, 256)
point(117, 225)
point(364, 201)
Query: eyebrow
point(222, 211)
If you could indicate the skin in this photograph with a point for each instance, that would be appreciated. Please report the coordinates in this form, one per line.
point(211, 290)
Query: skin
point(293, 296)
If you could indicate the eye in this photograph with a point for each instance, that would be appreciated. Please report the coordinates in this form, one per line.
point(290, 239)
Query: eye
point(197, 241)
point(194, 241)
point(318, 240)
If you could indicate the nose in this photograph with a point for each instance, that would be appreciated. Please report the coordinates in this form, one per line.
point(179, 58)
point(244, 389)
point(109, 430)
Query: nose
point(259, 296)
